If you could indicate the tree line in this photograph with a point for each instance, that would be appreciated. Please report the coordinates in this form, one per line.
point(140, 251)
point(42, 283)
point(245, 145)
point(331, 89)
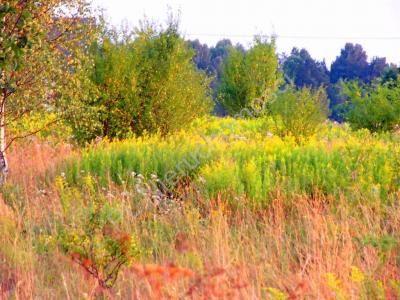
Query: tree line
point(300, 69)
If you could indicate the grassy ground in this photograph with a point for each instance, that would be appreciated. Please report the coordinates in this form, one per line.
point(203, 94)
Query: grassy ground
point(222, 210)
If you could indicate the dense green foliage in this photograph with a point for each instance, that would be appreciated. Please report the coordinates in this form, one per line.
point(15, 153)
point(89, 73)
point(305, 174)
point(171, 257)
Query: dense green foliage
point(248, 78)
point(300, 69)
point(352, 64)
point(147, 83)
point(375, 107)
point(299, 113)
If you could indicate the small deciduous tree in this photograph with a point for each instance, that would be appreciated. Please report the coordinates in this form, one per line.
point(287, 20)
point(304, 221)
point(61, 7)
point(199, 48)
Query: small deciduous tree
point(248, 76)
point(40, 47)
point(147, 83)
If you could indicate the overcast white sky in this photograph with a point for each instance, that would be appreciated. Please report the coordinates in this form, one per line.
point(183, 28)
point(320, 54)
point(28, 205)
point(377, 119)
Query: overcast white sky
point(211, 20)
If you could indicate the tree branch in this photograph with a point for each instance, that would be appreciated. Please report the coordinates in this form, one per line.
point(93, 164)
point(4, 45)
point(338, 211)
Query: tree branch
point(13, 139)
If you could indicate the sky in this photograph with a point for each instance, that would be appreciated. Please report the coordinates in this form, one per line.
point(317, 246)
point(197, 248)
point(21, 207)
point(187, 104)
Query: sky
point(320, 26)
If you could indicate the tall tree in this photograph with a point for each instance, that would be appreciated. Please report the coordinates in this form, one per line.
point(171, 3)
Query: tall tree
point(377, 68)
point(391, 75)
point(209, 59)
point(41, 43)
point(351, 64)
point(202, 57)
point(303, 70)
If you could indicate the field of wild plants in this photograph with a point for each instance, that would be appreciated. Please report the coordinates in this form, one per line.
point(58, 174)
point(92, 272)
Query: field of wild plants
point(225, 209)
point(138, 164)
point(241, 159)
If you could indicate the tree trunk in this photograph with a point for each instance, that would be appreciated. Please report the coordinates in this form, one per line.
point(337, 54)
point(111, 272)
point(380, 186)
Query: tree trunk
point(3, 157)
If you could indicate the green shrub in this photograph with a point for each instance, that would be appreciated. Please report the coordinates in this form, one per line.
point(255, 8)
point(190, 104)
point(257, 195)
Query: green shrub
point(90, 232)
point(299, 113)
point(376, 108)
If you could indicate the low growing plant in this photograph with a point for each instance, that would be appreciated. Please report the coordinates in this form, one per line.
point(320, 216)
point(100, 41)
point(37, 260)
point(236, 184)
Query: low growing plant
point(90, 232)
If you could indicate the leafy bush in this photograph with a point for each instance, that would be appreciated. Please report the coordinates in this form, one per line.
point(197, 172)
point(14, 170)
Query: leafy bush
point(299, 113)
point(248, 79)
point(375, 107)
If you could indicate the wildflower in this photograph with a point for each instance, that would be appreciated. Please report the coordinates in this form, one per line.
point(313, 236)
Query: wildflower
point(357, 275)
point(276, 294)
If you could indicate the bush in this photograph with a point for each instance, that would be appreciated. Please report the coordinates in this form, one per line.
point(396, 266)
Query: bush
point(376, 108)
point(90, 233)
point(299, 113)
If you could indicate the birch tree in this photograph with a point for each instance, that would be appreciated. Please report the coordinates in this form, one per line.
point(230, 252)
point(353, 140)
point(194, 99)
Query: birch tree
point(42, 43)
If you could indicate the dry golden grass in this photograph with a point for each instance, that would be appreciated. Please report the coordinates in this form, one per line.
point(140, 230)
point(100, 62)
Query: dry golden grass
point(29, 161)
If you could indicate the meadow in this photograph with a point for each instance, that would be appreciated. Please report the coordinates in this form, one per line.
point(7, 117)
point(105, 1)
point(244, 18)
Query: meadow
point(138, 164)
point(225, 209)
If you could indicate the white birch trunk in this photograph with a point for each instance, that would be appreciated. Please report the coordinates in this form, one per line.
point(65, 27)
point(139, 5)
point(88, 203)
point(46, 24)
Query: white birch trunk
point(3, 157)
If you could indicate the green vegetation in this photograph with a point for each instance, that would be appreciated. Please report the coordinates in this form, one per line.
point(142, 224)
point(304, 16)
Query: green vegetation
point(248, 79)
point(209, 204)
point(246, 162)
point(90, 232)
point(375, 107)
point(37, 56)
point(299, 113)
point(142, 84)
point(136, 191)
